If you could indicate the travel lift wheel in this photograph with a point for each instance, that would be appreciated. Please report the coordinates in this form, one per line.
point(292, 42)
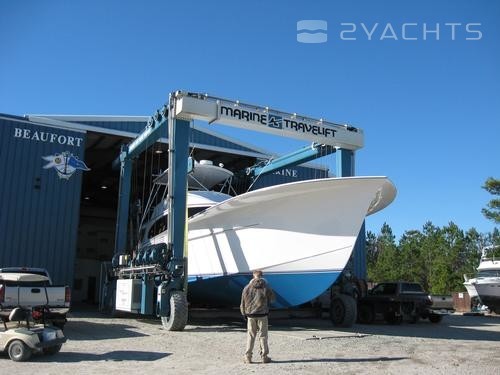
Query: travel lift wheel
point(178, 312)
point(343, 310)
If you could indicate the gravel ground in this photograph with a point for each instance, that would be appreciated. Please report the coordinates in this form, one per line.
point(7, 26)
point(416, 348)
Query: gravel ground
point(98, 344)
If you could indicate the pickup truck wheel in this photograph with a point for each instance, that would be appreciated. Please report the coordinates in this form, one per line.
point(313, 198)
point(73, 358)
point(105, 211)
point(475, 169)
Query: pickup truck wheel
point(178, 312)
point(435, 318)
point(408, 308)
point(366, 315)
point(19, 351)
point(343, 310)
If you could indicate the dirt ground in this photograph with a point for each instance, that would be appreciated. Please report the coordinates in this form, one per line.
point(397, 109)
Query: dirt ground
point(98, 344)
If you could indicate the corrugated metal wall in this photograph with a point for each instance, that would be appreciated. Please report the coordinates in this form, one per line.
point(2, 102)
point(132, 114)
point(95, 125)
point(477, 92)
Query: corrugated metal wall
point(197, 136)
point(128, 126)
point(39, 210)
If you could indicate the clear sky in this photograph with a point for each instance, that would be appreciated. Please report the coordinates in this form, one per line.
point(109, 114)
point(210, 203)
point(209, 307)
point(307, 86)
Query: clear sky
point(428, 102)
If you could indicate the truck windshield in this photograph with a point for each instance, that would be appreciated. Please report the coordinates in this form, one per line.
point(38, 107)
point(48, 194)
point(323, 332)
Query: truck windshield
point(384, 289)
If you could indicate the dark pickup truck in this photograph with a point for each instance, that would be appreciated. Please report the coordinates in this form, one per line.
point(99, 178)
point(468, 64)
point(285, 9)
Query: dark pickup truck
point(396, 301)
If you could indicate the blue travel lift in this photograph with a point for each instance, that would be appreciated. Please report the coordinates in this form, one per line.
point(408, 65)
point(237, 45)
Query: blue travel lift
point(168, 275)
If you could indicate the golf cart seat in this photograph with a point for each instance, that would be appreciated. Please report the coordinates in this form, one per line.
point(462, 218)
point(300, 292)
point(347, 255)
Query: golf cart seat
point(15, 317)
point(4, 318)
point(17, 314)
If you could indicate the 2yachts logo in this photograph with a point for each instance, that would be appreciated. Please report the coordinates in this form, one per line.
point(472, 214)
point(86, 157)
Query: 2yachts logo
point(312, 31)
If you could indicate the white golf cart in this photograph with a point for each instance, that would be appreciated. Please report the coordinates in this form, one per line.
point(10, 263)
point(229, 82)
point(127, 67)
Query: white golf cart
point(20, 339)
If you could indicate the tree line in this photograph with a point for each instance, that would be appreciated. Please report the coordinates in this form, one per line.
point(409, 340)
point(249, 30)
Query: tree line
point(436, 257)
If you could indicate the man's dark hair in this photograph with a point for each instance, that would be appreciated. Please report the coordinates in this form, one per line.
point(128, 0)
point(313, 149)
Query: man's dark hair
point(257, 274)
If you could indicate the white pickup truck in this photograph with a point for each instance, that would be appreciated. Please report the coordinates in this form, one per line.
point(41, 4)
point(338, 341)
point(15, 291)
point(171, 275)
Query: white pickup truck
point(19, 287)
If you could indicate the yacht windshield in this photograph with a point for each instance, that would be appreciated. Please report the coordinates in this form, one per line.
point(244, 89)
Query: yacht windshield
point(196, 210)
point(161, 224)
point(489, 273)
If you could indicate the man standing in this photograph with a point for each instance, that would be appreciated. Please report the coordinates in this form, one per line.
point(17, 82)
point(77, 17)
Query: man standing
point(255, 301)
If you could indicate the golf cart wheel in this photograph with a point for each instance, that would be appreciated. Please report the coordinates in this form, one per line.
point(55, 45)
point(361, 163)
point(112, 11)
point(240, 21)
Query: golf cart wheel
point(19, 351)
point(178, 312)
point(52, 349)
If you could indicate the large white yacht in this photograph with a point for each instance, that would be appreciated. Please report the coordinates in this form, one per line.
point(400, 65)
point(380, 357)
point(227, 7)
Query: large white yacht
point(300, 234)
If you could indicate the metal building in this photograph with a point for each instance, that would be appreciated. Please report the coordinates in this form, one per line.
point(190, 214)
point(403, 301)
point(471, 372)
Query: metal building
point(59, 190)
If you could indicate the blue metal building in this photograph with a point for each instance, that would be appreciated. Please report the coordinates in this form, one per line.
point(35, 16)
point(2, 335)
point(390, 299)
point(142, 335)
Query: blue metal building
point(59, 191)
point(39, 210)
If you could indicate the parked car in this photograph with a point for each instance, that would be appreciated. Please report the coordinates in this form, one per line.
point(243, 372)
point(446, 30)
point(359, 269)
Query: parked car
point(35, 291)
point(395, 301)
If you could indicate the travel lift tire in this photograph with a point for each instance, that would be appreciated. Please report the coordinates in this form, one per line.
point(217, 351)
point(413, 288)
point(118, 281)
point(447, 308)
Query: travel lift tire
point(178, 312)
point(343, 310)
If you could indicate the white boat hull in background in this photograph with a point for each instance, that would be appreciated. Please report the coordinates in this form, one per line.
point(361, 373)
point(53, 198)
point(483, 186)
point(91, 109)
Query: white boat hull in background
point(488, 289)
point(471, 289)
point(486, 283)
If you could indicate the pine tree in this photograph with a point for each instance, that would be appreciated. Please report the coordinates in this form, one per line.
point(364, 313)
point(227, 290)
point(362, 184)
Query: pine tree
point(387, 264)
point(411, 256)
point(492, 185)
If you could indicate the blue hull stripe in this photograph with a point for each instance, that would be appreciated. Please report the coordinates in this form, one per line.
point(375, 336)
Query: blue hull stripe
point(292, 289)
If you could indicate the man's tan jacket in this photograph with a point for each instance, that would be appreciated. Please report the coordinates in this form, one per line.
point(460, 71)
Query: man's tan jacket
point(256, 298)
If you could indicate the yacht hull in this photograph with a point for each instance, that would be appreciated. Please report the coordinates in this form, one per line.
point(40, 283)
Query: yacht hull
point(471, 289)
point(487, 281)
point(301, 235)
point(488, 290)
